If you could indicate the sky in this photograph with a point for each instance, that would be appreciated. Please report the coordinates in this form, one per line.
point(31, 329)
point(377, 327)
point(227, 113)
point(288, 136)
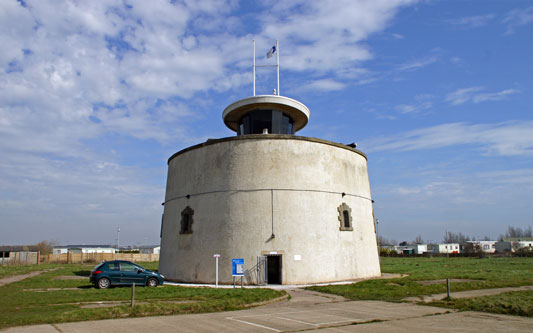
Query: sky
point(95, 96)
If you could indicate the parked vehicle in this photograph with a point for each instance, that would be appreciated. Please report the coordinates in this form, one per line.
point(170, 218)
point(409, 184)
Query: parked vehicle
point(121, 272)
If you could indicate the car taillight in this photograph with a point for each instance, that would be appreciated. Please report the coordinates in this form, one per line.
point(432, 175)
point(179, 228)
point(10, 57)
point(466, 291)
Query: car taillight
point(97, 272)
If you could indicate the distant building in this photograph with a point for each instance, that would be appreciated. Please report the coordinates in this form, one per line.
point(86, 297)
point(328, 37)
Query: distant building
point(83, 249)
point(406, 249)
point(502, 247)
point(445, 248)
point(18, 254)
point(420, 248)
point(150, 249)
point(483, 246)
point(518, 243)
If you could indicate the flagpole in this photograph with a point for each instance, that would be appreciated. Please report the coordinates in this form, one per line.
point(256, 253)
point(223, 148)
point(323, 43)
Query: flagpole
point(277, 60)
point(254, 66)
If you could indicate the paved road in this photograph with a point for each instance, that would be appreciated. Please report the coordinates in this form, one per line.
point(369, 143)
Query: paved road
point(307, 310)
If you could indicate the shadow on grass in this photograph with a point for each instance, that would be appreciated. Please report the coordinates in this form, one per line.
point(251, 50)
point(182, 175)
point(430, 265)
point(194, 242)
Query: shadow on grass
point(82, 273)
point(89, 286)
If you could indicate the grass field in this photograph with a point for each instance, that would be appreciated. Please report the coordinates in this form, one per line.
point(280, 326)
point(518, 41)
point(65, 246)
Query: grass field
point(31, 301)
point(484, 273)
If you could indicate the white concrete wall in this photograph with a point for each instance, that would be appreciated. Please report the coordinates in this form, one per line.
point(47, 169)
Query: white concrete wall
point(308, 176)
point(98, 250)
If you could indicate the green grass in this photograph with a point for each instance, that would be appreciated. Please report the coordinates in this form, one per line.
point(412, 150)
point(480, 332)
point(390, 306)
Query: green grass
point(487, 273)
point(29, 305)
point(518, 303)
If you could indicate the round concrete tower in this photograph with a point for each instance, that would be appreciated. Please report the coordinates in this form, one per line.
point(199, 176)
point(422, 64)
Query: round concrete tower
point(298, 210)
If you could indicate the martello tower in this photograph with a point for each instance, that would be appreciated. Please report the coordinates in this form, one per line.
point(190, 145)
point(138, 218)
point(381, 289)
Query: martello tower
point(297, 209)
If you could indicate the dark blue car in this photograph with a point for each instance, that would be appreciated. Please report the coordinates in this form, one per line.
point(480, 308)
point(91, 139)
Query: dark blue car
point(121, 272)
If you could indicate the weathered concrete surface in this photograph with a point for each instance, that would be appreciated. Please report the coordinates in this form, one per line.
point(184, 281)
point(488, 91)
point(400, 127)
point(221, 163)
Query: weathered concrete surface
point(307, 310)
point(245, 189)
point(451, 322)
point(467, 294)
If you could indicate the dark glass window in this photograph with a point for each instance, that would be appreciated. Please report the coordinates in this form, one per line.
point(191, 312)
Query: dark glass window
point(275, 121)
point(346, 219)
point(186, 220)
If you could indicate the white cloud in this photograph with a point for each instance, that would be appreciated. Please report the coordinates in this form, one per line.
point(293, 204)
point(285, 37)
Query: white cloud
point(512, 138)
point(76, 73)
point(417, 64)
point(472, 21)
point(477, 95)
point(323, 85)
point(422, 102)
point(326, 35)
point(507, 177)
point(517, 18)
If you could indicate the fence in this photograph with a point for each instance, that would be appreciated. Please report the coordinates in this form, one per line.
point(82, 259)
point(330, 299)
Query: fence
point(78, 258)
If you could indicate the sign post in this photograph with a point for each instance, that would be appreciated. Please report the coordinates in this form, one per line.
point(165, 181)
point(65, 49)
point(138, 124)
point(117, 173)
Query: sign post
point(237, 266)
point(216, 256)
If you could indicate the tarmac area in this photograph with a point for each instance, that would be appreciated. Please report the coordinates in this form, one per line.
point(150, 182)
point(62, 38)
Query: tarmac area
point(306, 311)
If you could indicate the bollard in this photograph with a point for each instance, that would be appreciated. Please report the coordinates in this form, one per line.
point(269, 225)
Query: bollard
point(133, 294)
point(448, 287)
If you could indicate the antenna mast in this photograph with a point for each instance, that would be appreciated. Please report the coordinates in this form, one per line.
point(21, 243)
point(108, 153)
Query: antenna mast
point(277, 64)
point(276, 50)
point(254, 65)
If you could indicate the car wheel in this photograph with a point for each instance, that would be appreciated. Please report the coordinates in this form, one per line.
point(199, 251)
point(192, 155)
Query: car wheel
point(152, 282)
point(104, 283)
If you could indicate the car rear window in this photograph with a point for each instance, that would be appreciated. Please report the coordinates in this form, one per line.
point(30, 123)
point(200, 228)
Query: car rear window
point(98, 266)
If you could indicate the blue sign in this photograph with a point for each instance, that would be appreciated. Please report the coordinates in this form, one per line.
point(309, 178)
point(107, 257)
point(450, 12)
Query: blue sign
point(238, 267)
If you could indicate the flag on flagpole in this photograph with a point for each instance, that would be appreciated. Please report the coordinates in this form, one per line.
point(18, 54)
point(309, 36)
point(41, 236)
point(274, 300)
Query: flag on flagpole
point(271, 52)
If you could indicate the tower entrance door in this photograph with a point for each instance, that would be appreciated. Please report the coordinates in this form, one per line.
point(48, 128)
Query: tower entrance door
point(274, 268)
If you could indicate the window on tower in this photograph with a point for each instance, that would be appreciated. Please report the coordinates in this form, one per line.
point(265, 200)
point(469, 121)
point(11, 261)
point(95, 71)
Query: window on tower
point(275, 121)
point(186, 220)
point(345, 217)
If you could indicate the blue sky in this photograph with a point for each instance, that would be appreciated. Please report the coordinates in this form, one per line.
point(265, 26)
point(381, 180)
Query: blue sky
point(96, 95)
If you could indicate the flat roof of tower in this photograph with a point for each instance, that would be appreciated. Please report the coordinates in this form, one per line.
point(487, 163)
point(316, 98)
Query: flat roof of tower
point(296, 110)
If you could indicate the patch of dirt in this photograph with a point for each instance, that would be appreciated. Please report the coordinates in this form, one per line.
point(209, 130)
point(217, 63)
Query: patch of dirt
point(17, 278)
point(393, 284)
point(443, 281)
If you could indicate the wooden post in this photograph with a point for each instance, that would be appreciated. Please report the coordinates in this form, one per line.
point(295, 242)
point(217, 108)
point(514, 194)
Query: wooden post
point(448, 287)
point(133, 294)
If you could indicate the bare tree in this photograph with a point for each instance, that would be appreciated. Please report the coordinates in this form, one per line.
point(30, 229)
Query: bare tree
point(385, 241)
point(45, 247)
point(419, 240)
point(451, 237)
point(515, 232)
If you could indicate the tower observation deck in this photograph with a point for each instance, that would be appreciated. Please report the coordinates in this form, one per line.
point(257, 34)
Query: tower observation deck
point(273, 113)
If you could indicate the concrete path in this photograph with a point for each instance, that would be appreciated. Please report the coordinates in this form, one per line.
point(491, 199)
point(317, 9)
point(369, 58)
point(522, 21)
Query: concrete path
point(466, 294)
point(306, 310)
